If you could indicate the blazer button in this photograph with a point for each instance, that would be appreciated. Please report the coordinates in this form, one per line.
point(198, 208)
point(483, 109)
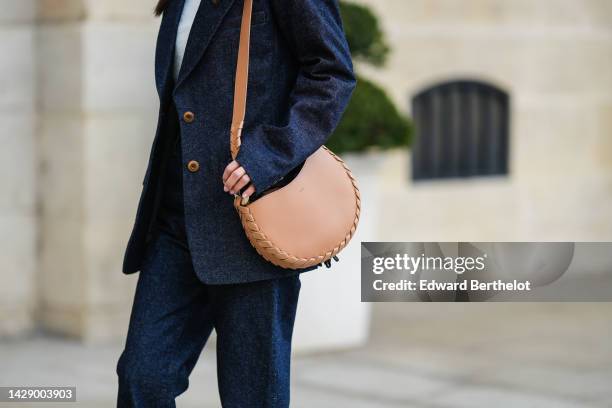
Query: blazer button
point(193, 166)
point(188, 117)
point(215, 3)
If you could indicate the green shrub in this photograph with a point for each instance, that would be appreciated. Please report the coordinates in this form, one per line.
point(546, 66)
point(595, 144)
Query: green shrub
point(371, 119)
point(363, 33)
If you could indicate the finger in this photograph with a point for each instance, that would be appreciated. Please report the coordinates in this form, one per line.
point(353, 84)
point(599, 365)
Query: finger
point(230, 169)
point(243, 182)
point(228, 172)
point(234, 177)
point(249, 192)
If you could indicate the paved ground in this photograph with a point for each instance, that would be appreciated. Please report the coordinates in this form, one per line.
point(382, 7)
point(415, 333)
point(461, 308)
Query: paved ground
point(421, 355)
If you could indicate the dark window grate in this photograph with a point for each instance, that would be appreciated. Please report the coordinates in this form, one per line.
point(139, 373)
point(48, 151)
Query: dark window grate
point(461, 130)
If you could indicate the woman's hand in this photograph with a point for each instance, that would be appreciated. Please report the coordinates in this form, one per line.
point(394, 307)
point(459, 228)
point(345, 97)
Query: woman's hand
point(235, 178)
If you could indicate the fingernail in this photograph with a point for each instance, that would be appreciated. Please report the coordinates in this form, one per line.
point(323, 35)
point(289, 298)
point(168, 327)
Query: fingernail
point(225, 189)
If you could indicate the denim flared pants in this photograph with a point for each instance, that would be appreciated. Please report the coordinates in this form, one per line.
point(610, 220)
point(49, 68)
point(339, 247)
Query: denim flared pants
point(174, 313)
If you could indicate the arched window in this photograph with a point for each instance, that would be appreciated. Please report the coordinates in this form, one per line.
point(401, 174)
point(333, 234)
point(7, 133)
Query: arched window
point(461, 130)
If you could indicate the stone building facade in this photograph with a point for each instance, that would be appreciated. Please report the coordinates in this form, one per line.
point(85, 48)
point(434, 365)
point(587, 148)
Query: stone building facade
point(18, 158)
point(553, 58)
point(78, 109)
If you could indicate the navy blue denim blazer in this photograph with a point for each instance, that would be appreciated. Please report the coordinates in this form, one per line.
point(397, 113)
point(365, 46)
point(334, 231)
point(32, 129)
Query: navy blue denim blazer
point(300, 81)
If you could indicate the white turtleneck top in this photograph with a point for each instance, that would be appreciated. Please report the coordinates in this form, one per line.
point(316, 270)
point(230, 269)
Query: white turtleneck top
point(187, 17)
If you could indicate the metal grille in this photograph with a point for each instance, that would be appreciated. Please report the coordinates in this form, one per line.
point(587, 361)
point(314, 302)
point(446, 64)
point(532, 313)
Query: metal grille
point(461, 131)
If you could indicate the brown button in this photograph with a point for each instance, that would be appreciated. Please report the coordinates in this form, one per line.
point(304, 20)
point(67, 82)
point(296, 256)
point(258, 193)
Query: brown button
point(215, 3)
point(188, 117)
point(193, 166)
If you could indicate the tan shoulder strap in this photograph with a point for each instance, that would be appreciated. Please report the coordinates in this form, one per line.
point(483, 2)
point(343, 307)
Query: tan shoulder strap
point(242, 78)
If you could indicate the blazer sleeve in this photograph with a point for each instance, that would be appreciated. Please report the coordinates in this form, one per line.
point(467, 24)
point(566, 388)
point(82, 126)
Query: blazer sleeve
point(322, 90)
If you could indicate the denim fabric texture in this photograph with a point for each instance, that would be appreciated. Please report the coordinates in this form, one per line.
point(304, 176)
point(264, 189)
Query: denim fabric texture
point(174, 314)
point(172, 317)
point(300, 81)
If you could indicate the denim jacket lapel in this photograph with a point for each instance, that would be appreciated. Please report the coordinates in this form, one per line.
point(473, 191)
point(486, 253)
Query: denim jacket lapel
point(166, 40)
point(207, 21)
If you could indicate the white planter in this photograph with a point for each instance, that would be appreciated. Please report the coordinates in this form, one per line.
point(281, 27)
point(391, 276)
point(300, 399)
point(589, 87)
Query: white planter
point(330, 314)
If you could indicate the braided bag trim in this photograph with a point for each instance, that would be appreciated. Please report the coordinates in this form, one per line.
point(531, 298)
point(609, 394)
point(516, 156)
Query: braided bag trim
point(271, 252)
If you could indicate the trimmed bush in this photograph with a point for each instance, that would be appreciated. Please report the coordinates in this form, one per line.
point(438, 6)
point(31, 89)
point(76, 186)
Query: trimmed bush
point(370, 120)
point(363, 33)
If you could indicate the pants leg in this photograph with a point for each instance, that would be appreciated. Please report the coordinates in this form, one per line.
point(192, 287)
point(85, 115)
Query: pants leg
point(169, 326)
point(172, 317)
point(254, 324)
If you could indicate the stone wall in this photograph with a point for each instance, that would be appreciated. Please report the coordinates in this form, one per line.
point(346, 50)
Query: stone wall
point(98, 112)
point(18, 164)
point(554, 58)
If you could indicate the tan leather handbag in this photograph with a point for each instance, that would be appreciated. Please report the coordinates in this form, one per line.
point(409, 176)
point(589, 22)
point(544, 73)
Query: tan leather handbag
point(309, 220)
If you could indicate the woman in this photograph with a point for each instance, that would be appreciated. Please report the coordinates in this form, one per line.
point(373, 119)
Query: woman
point(198, 271)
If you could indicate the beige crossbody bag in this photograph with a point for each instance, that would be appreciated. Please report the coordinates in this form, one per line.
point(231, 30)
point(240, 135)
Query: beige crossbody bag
point(309, 220)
